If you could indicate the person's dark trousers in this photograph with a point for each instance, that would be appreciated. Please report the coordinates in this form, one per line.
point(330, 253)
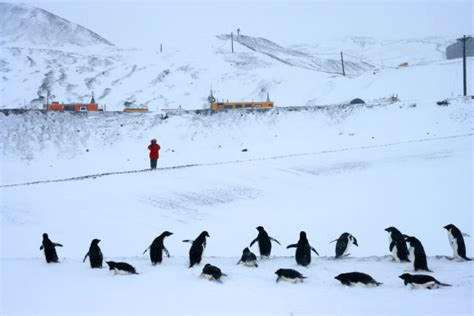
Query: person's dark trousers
point(153, 163)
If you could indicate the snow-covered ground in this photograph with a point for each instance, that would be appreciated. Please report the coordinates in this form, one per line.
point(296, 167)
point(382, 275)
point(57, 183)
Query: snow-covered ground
point(326, 172)
point(340, 168)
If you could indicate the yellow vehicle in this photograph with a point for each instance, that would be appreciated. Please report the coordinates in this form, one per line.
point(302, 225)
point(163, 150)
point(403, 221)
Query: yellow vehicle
point(218, 106)
point(136, 110)
point(221, 106)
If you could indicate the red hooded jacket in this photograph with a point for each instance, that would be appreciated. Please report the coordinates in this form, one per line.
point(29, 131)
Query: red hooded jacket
point(154, 150)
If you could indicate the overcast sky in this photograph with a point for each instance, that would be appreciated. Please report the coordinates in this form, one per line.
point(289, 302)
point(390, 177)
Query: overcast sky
point(147, 23)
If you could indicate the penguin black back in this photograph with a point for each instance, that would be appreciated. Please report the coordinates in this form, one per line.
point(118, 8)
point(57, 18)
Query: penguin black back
point(344, 243)
point(197, 249)
point(398, 246)
point(95, 254)
point(354, 278)
point(290, 275)
point(264, 242)
point(417, 254)
point(303, 250)
point(121, 267)
point(157, 248)
point(421, 281)
point(212, 273)
point(49, 249)
point(456, 241)
point(248, 258)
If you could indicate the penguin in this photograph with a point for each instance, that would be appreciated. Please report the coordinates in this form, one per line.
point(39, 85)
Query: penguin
point(398, 246)
point(248, 258)
point(121, 267)
point(289, 275)
point(197, 248)
point(344, 243)
point(95, 255)
point(157, 248)
point(303, 250)
point(212, 273)
point(264, 242)
point(357, 278)
point(421, 281)
point(417, 254)
point(49, 249)
point(456, 241)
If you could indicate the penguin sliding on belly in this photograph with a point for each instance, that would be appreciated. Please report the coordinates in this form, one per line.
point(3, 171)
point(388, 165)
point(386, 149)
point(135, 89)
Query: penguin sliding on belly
point(357, 278)
point(421, 281)
point(121, 267)
point(289, 275)
point(456, 241)
point(248, 258)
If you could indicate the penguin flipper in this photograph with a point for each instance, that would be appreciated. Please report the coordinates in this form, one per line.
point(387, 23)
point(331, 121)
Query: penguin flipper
point(166, 251)
point(85, 257)
point(253, 241)
point(465, 235)
point(291, 246)
point(271, 238)
point(57, 244)
point(146, 249)
point(314, 251)
point(188, 240)
point(41, 247)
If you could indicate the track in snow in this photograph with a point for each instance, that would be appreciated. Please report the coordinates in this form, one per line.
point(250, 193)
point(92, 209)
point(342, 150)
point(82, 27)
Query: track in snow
point(98, 175)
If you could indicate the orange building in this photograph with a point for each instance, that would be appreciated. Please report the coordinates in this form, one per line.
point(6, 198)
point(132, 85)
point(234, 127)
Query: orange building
point(77, 107)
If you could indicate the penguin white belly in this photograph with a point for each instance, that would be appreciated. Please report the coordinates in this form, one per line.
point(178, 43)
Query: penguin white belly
point(252, 263)
point(395, 253)
point(349, 244)
point(454, 245)
point(427, 285)
point(121, 272)
point(411, 256)
point(294, 280)
point(206, 276)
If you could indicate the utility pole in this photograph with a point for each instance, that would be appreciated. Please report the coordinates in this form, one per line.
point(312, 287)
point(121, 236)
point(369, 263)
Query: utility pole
point(342, 63)
point(464, 39)
point(232, 40)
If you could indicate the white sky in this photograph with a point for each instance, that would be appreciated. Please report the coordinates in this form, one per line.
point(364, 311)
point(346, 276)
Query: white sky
point(147, 23)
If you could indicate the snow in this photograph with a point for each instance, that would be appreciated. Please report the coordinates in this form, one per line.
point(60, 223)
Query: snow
point(320, 169)
point(416, 176)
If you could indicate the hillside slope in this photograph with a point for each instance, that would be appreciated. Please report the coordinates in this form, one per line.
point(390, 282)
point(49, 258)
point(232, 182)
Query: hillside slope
point(23, 25)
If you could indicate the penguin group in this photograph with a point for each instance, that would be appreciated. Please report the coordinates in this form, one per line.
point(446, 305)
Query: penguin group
point(415, 254)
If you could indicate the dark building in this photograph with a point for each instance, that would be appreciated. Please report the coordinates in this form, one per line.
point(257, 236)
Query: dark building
point(455, 50)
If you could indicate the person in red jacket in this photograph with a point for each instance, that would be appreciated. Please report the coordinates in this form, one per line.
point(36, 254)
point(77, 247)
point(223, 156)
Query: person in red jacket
point(154, 153)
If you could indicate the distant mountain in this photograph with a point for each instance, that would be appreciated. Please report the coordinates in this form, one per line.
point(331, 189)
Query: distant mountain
point(22, 25)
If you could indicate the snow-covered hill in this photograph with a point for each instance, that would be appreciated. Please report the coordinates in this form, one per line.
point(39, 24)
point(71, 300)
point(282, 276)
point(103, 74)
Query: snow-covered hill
point(23, 25)
point(181, 76)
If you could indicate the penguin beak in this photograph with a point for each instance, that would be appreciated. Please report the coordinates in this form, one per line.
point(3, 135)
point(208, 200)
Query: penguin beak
point(355, 243)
